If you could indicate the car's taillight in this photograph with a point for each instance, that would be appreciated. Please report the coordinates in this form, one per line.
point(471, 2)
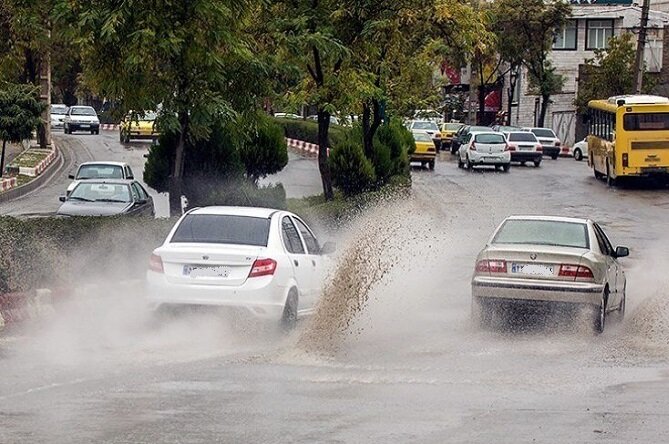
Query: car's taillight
point(263, 267)
point(510, 147)
point(156, 264)
point(626, 160)
point(491, 266)
point(539, 147)
point(473, 147)
point(575, 271)
point(557, 143)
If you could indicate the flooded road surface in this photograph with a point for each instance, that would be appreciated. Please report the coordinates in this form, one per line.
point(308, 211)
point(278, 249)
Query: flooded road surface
point(408, 366)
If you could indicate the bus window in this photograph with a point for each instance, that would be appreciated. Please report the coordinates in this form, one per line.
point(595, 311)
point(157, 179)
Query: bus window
point(646, 121)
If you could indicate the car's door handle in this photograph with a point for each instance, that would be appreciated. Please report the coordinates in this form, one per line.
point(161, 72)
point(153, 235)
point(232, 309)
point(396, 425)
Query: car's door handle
point(297, 264)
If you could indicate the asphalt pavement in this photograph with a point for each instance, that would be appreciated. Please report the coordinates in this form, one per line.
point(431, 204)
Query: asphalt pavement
point(412, 368)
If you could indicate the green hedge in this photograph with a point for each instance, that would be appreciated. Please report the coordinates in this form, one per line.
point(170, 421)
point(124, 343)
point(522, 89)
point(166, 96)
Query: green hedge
point(55, 252)
point(307, 131)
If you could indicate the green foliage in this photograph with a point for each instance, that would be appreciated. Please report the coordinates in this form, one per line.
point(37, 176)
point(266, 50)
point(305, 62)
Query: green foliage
point(20, 110)
point(55, 252)
point(266, 151)
point(400, 143)
point(307, 131)
point(609, 73)
point(352, 172)
point(243, 193)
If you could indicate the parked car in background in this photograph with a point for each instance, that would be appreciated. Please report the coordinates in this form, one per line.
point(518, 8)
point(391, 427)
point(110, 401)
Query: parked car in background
point(265, 262)
point(429, 115)
point(426, 152)
point(524, 147)
point(535, 261)
point(287, 116)
point(100, 170)
point(505, 129)
point(427, 127)
point(57, 115)
point(485, 148)
point(109, 197)
point(81, 118)
point(448, 132)
point(142, 126)
point(549, 140)
point(579, 150)
point(462, 134)
point(333, 120)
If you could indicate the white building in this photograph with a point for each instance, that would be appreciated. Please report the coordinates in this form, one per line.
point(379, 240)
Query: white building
point(589, 28)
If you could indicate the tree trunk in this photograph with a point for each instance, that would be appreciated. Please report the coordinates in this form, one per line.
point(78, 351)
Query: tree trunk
point(367, 137)
point(176, 179)
point(544, 109)
point(323, 165)
point(2, 158)
point(481, 113)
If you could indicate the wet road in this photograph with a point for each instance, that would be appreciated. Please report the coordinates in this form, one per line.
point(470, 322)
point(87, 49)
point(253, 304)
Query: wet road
point(411, 370)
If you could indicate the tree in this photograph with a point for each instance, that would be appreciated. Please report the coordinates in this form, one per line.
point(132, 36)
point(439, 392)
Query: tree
point(20, 111)
point(535, 23)
point(190, 57)
point(609, 73)
point(265, 151)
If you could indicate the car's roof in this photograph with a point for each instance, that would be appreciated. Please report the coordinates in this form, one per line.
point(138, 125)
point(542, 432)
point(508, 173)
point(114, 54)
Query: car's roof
point(235, 211)
point(550, 218)
point(487, 132)
point(81, 106)
point(109, 181)
point(537, 127)
point(518, 132)
point(104, 162)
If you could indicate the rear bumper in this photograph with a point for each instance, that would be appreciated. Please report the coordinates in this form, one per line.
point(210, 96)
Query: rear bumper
point(490, 159)
point(502, 289)
point(143, 135)
point(261, 297)
point(423, 157)
point(552, 150)
point(525, 156)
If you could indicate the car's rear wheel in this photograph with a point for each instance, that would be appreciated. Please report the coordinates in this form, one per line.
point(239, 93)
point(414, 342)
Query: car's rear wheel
point(506, 167)
point(610, 180)
point(578, 155)
point(289, 317)
point(431, 164)
point(537, 162)
point(599, 321)
point(554, 156)
point(460, 162)
point(470, 165)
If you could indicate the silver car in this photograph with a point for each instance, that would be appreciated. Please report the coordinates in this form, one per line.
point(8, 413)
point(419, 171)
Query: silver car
point(533, 260)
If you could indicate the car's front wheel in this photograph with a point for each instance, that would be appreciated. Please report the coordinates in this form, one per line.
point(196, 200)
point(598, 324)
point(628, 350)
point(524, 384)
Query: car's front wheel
point(578, 155)
point(289, 317)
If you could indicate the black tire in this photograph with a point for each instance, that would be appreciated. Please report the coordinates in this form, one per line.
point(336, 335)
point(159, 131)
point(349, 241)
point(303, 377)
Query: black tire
point(599, 318)
point(461, 164)
point(430, 165)
point(537, 163)
point(610, 181)
point(469, 164)
point(66, 130)
point(506, 167)
point(289, 317)
point(578, 155)
point(120, 136)
point(92, 132)
point(554, 156)
point(523, 163)
point(497, 167)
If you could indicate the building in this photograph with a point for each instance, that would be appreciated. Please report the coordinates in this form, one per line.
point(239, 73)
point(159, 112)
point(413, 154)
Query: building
point(590, 28)
point(659, 5)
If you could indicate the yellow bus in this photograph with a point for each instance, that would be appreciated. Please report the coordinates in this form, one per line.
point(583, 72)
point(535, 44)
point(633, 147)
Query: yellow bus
point(628, 136)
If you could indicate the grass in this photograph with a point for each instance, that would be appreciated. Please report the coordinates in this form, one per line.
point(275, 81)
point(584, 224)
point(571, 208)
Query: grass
point(29, 159)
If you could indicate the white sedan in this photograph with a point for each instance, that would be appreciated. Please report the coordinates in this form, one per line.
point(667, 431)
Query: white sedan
point(485, 148)
point(264, 262)
point(579, 150)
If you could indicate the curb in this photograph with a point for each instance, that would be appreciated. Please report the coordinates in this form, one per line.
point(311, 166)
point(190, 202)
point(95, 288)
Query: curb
point(40, 167)
point(31, 186)
point(306, 148)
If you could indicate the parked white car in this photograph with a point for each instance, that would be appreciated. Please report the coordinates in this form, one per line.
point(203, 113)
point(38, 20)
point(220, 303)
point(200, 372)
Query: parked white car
point(57, 115)
point(485, 148)
point(264, 262)
point(549, 141)
point(428, 127)
point(100, 170)
point(81, 118)
point(579, 150)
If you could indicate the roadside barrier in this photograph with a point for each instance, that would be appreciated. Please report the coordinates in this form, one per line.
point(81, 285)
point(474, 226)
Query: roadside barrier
point(108, 127)
point(7, 184)
point(309, 149)
point(40, 167)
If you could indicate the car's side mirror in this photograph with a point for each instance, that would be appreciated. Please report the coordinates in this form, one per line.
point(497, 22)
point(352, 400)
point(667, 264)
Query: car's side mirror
point(142, 202)
point(131, 177)
point(71, 176)
point(328, 248)
point(62, 198)
point(622, 252)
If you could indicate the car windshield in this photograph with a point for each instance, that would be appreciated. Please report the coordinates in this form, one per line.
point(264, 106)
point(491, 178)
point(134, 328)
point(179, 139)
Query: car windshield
point(543, 232)
point(222, 229)
point(522, 137)
point(452, 126)
point(58, 109)
point(421, 137)
point(489, 138)
point(83, 111)
point(100, 172)
point(148, 116)
point(543, 132)
point(475, 129)
point(425, 126)
point(101, 192)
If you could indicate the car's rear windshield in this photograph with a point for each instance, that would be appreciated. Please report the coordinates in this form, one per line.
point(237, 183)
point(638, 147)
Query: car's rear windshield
point(425, 126)
point(543, 232)
point(223, 229)
point(489, 138)
point(58, 109)
point(452, 126)
point(421, 137)
point(100, 172)
point(522, 137)
point(543, 132)
point(83, 111)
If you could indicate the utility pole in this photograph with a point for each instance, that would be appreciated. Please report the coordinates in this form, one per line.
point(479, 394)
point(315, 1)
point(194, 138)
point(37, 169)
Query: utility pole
point(640, 48)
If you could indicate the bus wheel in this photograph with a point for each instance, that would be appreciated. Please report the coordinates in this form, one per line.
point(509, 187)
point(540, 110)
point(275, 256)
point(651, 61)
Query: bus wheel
point(610, 181)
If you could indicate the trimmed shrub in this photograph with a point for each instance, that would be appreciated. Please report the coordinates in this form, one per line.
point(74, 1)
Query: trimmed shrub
point(352, 172)
point(307, 131)
point(400, 144)
point(242, 193)
point(266, 151)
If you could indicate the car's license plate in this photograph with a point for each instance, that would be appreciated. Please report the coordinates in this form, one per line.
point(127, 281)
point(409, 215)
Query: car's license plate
point(84, 126)
point(196, 271)
point(533, 269)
